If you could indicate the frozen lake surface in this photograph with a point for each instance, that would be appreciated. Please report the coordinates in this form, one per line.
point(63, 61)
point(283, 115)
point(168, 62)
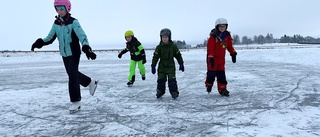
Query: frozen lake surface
point(273, 93)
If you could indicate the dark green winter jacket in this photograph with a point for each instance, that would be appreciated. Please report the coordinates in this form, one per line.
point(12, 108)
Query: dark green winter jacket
point(166, 53)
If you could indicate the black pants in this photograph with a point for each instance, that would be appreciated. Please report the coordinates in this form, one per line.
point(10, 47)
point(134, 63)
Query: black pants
point(76, 78)
point(172, 82)
point(221, 78)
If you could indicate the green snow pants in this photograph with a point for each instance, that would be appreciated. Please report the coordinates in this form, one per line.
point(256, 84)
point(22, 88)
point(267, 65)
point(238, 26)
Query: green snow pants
point(132, 69)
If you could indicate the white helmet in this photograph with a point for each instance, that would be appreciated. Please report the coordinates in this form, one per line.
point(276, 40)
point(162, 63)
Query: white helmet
point(221, 21)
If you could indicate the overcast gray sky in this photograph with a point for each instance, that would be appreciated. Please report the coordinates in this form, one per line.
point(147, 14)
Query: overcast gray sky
point(105, 21)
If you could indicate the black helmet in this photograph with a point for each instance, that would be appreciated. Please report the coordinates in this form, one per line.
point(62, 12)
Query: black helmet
point(165, 32)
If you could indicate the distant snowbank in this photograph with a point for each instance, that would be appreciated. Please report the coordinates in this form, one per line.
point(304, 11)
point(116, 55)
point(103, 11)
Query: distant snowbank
point(295, 54)
point(276, 46)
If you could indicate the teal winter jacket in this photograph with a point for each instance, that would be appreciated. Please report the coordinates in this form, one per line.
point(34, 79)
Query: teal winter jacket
point(69, 33)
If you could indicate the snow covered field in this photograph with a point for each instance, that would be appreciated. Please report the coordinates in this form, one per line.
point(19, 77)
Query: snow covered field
point(273, 93)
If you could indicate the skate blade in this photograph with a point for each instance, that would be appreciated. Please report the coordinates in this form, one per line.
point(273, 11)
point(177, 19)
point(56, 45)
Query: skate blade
point(95, 87)
point(74, 111)
point(225, 95)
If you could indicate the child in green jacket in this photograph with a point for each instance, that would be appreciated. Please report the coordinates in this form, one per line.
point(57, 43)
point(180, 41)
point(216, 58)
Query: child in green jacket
point(166, 51)
point(137, 54)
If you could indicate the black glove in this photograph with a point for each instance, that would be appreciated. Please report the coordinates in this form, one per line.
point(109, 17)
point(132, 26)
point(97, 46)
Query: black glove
point(181, 67)
point(144, 61)
point(153, 69)
point(90, 55)
point(211, 61)
point(120, 55)
point(234, 57)
point(143, 54)
point(37, 44)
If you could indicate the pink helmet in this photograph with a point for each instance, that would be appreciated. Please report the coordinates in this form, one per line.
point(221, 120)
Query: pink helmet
point(65, 3)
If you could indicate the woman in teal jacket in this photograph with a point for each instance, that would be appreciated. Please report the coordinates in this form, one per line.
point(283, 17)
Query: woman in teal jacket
point(69, 32)
point(138, 56)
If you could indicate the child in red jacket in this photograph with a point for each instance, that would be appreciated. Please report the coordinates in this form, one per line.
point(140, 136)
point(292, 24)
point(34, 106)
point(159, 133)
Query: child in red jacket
point(220, 40)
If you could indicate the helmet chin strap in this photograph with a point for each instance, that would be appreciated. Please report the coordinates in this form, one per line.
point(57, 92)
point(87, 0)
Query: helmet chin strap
point(62, 16)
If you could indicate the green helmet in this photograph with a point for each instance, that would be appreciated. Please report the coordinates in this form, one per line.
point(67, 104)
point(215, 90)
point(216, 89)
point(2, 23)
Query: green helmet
point(128, 33)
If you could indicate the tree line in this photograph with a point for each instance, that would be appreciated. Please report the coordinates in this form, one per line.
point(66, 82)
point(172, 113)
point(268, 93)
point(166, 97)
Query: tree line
point(260, 39)
point(181, 44)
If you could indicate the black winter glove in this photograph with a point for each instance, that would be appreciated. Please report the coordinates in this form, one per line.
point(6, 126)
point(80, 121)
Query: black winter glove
point(234, 57)
point(122, 52)
point(153, 69)
point(120, 55)
point(90, 55)
point(181, 67)
point(37, 44)
point(144, 61)
point(143, 54)
point(211, 61)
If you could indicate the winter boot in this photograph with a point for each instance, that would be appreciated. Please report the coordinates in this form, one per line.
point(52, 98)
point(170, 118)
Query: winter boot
point(224, 92)
point(75, 107)
point(93, 86)
point(159, 93)
point(174, 95)
point(143, 77)
point(130, 83)
point(209, 89)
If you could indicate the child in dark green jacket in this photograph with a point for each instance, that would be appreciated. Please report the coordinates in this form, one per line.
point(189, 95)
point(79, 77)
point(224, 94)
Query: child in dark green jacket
point(166, 51)
point(137, 54)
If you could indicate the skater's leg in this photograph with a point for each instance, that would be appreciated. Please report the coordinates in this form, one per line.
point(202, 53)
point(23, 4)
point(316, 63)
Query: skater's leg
point(221, 78)
point(222, 83)
point(142, 69)
point(173, 86)
point(88, 82)
point(161, 84)
point(71, 64)
point(211, 74)
point(84, 79)
point(132, 71)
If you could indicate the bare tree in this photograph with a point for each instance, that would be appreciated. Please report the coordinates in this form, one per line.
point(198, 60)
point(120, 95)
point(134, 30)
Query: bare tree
point(246, 40)
point(236, 39)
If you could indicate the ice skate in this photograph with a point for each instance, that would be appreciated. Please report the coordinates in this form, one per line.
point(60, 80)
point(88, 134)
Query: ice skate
point(209, 89)
point(93, 86)
point(159, 94)
point(143, 77)
point(130, 84)
point(224, 92)
point(75, 107)
point(174, 95)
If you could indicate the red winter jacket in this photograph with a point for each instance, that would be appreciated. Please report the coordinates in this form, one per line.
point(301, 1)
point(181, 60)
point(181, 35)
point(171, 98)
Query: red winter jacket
point(216, 49)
